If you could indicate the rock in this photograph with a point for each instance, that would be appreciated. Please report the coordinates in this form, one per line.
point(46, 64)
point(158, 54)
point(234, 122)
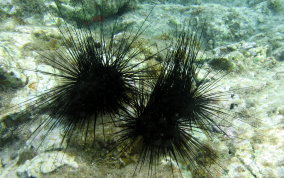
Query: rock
point(46, 163)
point(24, 156)
point(23, 11)
point(94, 11)
point(11, 79)
point(269, 152)
point(275, 5)
point(279, 54)
point(225, 24)
point(14, 120)
point(44, 139)
point(221, 64)
point(236, 169)
point(245, 153)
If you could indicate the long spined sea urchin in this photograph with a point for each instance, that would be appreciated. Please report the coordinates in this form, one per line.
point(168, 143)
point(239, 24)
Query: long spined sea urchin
point(163, 119)
point(96, 75)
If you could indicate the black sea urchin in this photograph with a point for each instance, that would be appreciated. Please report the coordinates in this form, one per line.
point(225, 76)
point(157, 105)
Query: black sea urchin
point(162, 122)
point(96, 76)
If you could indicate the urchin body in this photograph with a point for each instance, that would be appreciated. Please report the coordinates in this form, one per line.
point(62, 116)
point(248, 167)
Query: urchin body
point(95, 90)
point(100, 91)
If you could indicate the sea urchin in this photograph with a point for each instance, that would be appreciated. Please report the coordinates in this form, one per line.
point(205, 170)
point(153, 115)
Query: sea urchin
point(96, 76)
point(163, 120)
